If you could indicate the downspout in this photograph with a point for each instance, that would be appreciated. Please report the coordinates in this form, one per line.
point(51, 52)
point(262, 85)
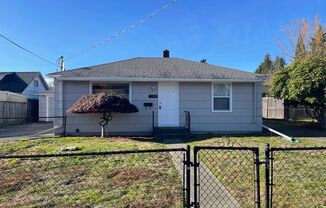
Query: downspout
point(285, 137)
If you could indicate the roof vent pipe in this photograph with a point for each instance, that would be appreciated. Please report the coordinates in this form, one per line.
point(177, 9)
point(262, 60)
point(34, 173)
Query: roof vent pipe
point(166, 53)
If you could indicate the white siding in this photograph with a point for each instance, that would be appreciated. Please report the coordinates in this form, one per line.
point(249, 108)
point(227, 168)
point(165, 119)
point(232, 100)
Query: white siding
point(58, 111)
point(31, 91)
point(42, 107)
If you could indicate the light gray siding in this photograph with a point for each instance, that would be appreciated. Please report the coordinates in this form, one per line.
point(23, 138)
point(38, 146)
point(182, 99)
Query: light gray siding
point(58, 103)
point(133, 123)
point(245, 116)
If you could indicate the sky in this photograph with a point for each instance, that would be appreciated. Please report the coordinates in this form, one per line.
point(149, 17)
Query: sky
point(233, 33)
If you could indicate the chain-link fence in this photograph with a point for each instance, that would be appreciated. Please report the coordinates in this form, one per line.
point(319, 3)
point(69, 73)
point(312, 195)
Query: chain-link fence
point(227, 177)
point(224, 176)
point(298, 177)
point(144, 178)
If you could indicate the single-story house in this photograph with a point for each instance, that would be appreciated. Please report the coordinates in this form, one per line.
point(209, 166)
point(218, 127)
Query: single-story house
point(218, 99)
point(46, 108)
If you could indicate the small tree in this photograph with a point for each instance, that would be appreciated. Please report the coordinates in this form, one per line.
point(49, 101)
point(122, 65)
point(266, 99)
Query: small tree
point(102, 103)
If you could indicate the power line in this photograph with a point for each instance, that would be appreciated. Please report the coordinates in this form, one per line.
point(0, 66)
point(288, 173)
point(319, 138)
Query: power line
point(126, 29)
point(21, 47)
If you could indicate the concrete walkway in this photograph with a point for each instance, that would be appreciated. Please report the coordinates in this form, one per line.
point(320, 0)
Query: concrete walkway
point(212, 192)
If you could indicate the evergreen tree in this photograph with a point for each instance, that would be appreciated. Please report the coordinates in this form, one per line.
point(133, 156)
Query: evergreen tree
point(267, 66)
point(279, 62)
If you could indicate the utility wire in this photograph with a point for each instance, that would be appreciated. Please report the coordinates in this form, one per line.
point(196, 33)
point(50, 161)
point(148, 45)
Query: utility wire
point(126, 29)
point(21, 47)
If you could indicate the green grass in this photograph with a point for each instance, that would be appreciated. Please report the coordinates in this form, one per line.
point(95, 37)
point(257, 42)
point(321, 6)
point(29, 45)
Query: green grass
point(133, 180)
point(86, 144)
point(299, 176)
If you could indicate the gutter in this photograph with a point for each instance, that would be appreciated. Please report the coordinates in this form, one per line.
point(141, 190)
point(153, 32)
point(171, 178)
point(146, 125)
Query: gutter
point(58, 77)
point(284, 137)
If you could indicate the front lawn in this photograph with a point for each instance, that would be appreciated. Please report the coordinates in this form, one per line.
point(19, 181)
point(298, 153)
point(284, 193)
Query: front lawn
point(86, 144)
point(119, 180)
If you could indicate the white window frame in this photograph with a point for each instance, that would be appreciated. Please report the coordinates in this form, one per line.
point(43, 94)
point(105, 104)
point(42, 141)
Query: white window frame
point(130, 87)
point(229, 96)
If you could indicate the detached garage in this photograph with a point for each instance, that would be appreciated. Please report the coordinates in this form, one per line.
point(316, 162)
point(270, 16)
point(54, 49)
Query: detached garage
point(46, 105)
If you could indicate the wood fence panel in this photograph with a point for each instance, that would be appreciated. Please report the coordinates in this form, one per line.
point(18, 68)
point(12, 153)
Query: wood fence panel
point(12, 110)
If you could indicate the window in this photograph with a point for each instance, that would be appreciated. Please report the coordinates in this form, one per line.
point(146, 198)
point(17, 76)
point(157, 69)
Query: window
point(35, 83)
point(221, 97)
point(116, 89)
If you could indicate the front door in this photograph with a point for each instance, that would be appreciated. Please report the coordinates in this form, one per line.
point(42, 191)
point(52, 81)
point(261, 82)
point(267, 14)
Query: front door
point(168, 104)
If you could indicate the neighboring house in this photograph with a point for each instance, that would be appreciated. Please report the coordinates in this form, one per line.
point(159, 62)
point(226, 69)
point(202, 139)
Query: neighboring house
point(28, 84)
point(46, 107)
point(219, 99)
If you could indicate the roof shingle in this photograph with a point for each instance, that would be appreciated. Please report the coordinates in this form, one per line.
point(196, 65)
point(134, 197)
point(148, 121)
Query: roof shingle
point(158, 68)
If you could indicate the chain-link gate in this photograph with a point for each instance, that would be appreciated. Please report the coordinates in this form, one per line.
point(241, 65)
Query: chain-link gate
point(226, 177)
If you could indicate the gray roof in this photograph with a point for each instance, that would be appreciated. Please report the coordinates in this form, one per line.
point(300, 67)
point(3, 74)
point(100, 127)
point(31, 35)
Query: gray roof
point(157, 68)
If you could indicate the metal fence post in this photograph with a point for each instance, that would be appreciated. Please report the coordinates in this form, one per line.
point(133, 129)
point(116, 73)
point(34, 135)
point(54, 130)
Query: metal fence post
point(267, 176)
point(196, 188)
point(188, 166)
point(257, 162)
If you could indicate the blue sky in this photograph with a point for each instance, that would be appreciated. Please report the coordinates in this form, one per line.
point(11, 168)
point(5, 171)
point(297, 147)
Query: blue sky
point(234, 33)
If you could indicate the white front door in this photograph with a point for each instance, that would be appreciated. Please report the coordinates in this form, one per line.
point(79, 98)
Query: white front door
point(168, 104)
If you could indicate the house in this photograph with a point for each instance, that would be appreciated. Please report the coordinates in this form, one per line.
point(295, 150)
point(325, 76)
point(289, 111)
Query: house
point(28, 84)
point(46, 107)
point(218, 99)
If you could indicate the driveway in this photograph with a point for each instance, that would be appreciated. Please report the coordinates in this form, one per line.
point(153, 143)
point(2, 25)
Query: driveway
point(26, 130)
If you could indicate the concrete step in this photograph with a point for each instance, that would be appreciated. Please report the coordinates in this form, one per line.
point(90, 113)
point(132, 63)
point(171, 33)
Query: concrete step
point(171, 132)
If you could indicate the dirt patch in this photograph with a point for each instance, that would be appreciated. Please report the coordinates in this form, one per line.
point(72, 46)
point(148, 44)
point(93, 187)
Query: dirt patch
point(161, 203)
point(120, 139)
point(128, 176)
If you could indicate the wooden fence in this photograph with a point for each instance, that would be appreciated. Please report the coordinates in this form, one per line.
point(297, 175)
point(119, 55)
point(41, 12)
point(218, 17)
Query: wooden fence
point(12, 106)
point(275, 109)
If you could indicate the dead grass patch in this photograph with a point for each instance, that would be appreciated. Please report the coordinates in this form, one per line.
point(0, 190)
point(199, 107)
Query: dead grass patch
point(127, 176)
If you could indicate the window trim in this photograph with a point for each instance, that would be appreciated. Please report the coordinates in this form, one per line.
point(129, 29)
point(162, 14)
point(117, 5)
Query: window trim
point(230, 96)
point(130, 87)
